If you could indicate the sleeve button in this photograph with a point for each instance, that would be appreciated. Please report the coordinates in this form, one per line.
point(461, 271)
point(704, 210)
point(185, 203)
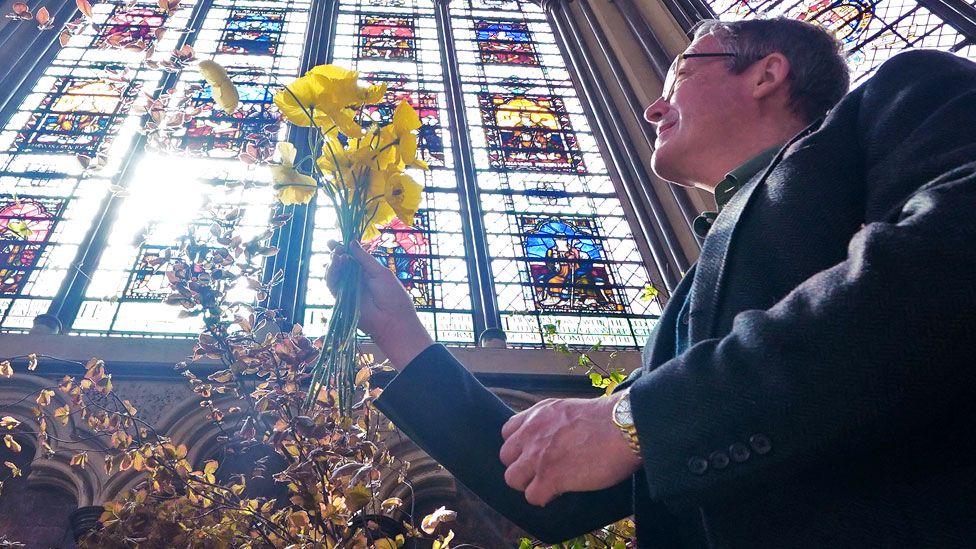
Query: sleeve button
point(718, 460)
point(739, 452)
point(697, 465)
point(760, 444)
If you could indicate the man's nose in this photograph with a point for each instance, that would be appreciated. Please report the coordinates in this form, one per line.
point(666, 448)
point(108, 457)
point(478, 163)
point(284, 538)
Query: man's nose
point(655, 111)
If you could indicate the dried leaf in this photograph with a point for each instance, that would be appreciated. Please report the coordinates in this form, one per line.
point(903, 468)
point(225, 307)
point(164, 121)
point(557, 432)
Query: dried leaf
point(391, 503)
point(63, 413)
point(210, 467)
point(44, 397)
point(6, 370)
point(84, 7)
point(32, 362)
point(14, 470)
point(43, 18)
point(8, 422)
point(9, 441)
point(79, 459)
point(433, 520)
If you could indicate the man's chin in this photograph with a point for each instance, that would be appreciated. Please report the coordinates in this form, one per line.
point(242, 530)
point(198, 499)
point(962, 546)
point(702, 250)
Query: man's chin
point(663, 167)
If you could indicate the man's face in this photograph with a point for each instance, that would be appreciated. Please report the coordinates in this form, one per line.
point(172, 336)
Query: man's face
point(700, 119)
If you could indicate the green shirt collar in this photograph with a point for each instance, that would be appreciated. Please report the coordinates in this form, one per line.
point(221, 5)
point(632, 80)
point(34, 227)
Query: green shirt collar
point(727, 187)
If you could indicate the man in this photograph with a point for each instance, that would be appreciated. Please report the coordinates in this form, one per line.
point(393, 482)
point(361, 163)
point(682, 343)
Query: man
point(811, 381)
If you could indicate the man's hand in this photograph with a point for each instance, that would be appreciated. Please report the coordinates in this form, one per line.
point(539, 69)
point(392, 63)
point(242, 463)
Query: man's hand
point(386, 311)
point(565, 445)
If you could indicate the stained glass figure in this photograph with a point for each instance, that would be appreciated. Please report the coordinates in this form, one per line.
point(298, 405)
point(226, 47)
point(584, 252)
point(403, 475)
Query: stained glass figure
point(567, 264)
point(25, 227)
point(406, 251)
point(131, 27)
point(530, 132)
point(253, 31)
point(387, 37)
point(78, 116)
point(871, 30)
point(505, 42)
point(430, 143)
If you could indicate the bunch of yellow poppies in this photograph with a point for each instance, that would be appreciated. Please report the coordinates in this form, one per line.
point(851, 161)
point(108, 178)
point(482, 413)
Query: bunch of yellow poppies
point(360, 170)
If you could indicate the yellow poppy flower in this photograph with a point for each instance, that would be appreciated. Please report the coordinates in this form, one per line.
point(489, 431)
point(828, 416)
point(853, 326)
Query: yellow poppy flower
point(405, 124)
point(223, 90)
point(404, 196)
point(338, 164)
point(292, 187)
point(382, 214)
point(302, 97)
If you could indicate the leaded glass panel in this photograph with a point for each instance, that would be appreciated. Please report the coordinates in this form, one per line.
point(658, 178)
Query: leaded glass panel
point(560, 246)
point(203, 170)
point(872, 31)
point(61, 152)
point(396, 41)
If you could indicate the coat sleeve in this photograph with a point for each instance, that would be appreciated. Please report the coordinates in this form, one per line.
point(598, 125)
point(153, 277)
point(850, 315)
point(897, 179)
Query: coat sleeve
point(442, 407)
point(862, 354)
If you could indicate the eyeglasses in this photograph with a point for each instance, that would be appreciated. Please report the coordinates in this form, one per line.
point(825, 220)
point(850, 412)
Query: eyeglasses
point(671, 80)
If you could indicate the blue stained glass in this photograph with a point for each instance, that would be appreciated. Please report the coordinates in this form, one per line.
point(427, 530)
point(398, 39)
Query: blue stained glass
point(253, 31)
point(502, 31)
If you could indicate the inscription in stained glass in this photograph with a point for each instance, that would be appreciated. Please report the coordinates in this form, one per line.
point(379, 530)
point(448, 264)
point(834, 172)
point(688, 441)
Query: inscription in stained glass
point(530, 132)
point(567, 264)
point(505, 42)
point(253, 31)
point(406, 251)
point(78, 116)
point(387, 37)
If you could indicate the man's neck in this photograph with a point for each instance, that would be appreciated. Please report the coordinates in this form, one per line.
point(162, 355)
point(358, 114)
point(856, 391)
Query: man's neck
point(759, 140)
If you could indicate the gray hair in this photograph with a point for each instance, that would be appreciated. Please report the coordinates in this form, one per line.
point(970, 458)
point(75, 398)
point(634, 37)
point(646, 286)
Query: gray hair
point(819, 76)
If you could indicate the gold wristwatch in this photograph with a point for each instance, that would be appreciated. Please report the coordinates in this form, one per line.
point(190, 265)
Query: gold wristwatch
point(623, 418)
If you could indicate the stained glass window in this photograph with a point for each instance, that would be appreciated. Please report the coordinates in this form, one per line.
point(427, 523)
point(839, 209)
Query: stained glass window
point(193, 175)
point(396, 41)
point(77, 115)
point(562, 252)
point(135, 158)
point(872, 31)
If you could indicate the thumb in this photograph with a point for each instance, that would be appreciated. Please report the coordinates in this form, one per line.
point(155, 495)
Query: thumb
point(367, 262)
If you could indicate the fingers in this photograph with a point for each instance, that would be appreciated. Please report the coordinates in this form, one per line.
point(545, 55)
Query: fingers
point(513, 424)
point(510, 451)
point(366, 261)
point(519, 475)
point(339, 265)
point(540, 492)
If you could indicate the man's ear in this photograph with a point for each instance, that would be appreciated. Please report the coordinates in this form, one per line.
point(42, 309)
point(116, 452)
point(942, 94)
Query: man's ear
point(771, 75)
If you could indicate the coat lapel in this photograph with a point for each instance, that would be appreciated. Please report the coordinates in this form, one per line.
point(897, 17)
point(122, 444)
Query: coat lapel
point(706, 287)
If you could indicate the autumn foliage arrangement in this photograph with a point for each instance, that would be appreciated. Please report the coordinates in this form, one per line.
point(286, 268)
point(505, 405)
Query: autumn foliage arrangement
point(283, 474)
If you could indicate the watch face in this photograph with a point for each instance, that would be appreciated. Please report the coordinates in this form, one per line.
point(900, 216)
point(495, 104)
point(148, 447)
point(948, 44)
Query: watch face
point(622, 413)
